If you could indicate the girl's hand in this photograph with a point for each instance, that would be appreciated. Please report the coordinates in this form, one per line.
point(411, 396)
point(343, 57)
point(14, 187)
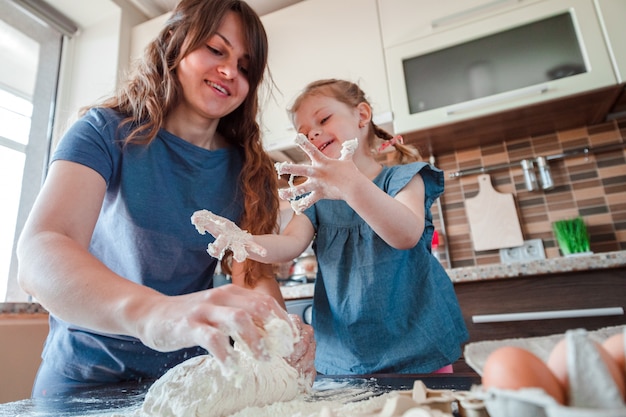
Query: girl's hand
point(303, 356)
point(207, 319)
point(227, 236)
point(327, 178)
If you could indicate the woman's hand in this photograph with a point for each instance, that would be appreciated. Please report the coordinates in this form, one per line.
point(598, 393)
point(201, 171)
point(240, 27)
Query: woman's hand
point(207, 319)
point(303, 356)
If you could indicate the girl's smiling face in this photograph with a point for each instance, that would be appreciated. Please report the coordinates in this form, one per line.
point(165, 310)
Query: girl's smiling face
point(214, 76)
point(327, 123)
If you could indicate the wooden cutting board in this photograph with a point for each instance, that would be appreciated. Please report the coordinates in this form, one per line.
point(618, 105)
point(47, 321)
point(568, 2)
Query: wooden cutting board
point(492, 217)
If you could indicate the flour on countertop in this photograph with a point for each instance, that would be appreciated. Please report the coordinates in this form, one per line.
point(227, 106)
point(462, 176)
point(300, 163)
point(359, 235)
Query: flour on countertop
point(341, 402)
point(306, 408)
point(363, 400)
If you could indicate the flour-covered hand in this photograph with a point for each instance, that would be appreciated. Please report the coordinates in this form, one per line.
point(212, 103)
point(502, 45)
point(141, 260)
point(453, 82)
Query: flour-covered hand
point(325, 176)
point(208, 318)
point(303, 356)
point(227, 236)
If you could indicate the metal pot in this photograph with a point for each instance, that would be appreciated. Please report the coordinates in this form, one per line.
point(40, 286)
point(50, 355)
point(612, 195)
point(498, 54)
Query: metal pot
point(305, 266)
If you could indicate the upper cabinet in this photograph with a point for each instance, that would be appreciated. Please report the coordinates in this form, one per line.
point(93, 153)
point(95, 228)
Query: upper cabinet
point(541, 51)
point(144, 33)
point(406, 20)
point(612, 14)
point(318, 39)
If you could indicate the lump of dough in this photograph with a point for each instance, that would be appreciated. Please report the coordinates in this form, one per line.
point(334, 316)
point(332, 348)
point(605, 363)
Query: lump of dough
point(197, 387)
point(200, 387)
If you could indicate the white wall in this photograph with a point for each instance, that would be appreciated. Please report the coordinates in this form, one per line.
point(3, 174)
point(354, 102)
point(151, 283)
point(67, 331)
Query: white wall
point(94, 62)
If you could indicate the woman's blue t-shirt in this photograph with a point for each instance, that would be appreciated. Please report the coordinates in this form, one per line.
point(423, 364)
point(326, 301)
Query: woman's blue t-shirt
point(144, 234)
point(377, 309)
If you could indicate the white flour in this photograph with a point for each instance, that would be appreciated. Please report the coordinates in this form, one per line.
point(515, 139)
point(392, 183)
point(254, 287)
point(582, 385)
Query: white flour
point(348, 148)
point(302, 408)
point(343, 401)
point(337, 402)
point(361, 402)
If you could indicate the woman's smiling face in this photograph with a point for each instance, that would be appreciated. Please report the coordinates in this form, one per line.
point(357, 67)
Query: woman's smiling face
point(214, 76)
point(327, 123)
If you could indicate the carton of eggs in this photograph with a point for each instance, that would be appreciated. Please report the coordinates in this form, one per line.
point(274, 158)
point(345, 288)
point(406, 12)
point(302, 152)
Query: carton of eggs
point(580, 378)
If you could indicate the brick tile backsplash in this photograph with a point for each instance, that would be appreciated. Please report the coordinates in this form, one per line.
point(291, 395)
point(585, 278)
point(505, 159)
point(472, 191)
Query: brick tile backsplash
point(591, 185)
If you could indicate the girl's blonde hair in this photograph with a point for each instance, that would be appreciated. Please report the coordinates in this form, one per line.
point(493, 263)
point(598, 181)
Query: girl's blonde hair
point(153, 91)
point(352, 95)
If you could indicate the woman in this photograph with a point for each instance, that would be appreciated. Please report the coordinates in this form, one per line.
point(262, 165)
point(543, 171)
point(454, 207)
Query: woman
point(109, 248)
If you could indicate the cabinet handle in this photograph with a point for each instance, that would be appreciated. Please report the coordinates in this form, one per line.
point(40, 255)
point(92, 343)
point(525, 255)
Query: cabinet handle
point(547, 315)
point(483, 102)
point(467, 13)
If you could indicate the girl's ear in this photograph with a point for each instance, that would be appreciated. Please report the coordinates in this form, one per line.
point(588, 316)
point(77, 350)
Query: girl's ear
point(365, 114)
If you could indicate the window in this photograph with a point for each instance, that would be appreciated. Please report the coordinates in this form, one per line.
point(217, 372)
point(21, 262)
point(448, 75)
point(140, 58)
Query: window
point(30, 51)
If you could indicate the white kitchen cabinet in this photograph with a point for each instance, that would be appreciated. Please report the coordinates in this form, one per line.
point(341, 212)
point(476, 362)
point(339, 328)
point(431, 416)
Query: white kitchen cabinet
point(541, 51)
point(318, 39)
point(612, 14)
point(405, 20)
point(144, 33)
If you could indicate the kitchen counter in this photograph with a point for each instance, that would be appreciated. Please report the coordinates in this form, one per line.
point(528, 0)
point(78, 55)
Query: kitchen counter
point(124, 398)
point(605, 260)
point(583, 262)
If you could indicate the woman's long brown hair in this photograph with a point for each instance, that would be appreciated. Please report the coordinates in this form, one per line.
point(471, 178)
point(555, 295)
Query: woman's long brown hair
point(153, 91)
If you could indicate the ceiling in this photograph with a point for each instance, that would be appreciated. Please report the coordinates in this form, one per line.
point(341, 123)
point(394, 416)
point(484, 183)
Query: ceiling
point(154, 8)
point(86, 13)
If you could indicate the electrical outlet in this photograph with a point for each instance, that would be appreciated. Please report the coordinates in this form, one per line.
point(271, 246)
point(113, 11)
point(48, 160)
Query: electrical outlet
point(531, 250)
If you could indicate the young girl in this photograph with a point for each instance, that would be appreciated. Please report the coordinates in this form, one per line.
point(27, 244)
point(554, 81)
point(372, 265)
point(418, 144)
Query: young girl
point(382, 302)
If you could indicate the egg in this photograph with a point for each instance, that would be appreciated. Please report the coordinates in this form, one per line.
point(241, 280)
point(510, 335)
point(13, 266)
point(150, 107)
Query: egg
point(514, 368)
point(557, 362)
point(614, 346)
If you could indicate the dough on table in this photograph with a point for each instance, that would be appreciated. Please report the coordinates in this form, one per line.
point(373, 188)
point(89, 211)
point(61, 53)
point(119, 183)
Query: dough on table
point(198, 386)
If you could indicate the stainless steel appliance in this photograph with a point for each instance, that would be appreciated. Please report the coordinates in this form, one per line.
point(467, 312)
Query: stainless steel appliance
point(303, 307)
